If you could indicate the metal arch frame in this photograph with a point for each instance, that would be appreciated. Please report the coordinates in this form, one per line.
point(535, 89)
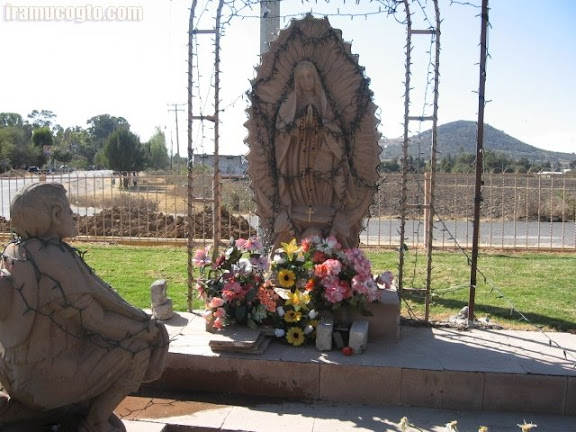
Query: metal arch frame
point(215, 118)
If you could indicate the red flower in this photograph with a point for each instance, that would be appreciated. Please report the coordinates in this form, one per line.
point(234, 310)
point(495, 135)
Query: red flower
point(310, 285)
point(319, 257)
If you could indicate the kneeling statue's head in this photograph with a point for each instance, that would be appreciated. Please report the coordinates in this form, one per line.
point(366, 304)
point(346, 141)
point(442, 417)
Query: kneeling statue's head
point(42, 210)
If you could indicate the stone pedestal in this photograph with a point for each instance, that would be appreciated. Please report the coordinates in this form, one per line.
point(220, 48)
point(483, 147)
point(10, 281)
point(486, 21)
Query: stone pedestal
point(384, 321)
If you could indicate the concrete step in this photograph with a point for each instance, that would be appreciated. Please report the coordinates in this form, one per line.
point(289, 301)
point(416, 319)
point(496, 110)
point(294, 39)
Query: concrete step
point(445, 368)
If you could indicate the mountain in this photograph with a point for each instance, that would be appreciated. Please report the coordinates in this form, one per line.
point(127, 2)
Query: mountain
point(460, 137)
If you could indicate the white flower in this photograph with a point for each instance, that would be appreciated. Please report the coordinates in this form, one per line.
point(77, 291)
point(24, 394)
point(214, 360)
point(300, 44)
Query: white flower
point(526, 427)
point(451, 427)
point(278, 259)
point(308, 329)
point(403, 425)
point(279, 333)
point(312, 314)
point(280, 311)
point(245, 265)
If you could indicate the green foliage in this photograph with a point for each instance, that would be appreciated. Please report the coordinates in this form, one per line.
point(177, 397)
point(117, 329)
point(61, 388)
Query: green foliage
point(123, 151)
point(156, 152)
point(10, 120)
point(41, 119)
point(100, 128)
point(61, 155)
point(42, 137)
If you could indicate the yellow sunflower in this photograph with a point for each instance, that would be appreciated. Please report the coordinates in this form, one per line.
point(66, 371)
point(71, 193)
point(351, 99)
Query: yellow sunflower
point(292, 316)
point(295, 336)
point(286, 278)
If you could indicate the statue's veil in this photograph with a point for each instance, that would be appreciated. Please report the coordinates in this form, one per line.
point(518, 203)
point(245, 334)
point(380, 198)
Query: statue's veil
point(348, 99)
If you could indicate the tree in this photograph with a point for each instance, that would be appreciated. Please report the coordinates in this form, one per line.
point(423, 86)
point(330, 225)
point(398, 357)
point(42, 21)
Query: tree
point(42, 119)
point(61, 155)
point(100, 127)
point(156, 152)
point(389, 165)
point(123, 151)
point(11, 120)
point(42, 137)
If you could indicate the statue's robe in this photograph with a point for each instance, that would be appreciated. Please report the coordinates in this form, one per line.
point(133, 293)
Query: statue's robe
point(50, 354)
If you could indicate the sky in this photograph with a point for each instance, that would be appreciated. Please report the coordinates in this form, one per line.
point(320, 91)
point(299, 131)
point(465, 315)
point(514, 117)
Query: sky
point(78, 65)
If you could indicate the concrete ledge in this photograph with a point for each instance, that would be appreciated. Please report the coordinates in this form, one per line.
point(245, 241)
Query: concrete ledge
point(427, 367)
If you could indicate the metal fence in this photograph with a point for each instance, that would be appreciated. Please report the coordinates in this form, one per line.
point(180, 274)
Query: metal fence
point(518, 211)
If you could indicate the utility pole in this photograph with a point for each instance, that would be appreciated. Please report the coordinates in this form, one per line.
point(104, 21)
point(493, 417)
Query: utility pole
point(269, 22)
point(175, 108)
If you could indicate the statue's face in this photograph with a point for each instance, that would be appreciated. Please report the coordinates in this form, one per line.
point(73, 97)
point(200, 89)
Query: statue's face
point(67, 225)
point(306, 79)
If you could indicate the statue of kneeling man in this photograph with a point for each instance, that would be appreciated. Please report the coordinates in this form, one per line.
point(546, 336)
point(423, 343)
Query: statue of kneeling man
point(71, 349)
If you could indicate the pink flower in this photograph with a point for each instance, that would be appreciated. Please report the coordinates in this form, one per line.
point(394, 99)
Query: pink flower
point(220, 313)
point(365, 286)
point(232, 291)
point(200, 290)
point(386, 279)
point(249, 245)
point(215, 302)
point(201, 257)
point(219, 323)
point(336, 290)
point(333, 267)
point(330, 267)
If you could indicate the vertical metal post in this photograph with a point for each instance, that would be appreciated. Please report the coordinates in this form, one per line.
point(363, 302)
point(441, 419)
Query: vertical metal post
point(404, 187)
point(217, 183)
point(190, 204)
point(479, 161)
point(431, 184)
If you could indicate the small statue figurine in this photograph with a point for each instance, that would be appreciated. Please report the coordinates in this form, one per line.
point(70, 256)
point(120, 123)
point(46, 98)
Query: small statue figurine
point(71, 349)
point(162, 308)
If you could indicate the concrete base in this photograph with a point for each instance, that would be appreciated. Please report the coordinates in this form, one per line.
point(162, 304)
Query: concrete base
point(426, 367)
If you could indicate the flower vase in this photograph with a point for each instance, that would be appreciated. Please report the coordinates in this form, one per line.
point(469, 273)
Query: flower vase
point(343, 316)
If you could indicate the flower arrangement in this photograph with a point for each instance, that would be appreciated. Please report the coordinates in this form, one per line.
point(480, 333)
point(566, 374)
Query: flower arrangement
point(303, 280)
point(231, 285)
point(331, 277)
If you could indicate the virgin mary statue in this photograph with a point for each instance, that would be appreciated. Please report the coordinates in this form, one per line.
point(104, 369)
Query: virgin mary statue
point(310, 159)
point(312, 135)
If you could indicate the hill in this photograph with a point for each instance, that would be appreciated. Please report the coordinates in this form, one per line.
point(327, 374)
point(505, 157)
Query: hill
point(460, 137)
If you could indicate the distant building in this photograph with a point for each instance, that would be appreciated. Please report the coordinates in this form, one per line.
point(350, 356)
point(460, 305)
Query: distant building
point(230, 165)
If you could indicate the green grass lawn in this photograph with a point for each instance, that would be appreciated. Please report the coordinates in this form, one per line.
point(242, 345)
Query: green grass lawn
point(516, 290)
